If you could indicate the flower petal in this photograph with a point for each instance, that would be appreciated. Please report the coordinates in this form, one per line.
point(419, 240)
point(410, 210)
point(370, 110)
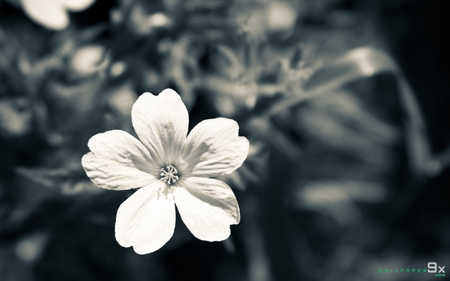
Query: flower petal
point(146, 220)
point(161, 123)
point(208, 207)
point(214, 148)
point(118, 161)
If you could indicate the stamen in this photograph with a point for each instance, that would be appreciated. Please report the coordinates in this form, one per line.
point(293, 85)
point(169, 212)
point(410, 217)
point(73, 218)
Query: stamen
point(169, 174)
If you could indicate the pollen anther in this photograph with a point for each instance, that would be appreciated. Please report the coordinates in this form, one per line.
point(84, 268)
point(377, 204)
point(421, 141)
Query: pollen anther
point(169, 174)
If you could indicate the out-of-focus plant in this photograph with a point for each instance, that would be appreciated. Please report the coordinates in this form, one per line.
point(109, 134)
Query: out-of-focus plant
point(176, 35)
point(337, 137)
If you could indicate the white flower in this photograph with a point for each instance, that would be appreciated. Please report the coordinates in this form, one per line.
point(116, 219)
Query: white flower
point(53, 13)
point(170, 169)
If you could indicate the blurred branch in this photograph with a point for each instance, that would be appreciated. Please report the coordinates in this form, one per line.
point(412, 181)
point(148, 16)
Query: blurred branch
point(68, 180)
point(362, 63)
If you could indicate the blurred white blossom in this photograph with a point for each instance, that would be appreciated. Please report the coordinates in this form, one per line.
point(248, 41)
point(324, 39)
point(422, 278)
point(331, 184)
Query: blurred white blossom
point(281, 16)
point(15, 117)
point(88, 60)
point(52, 14)
point(170, 169)
point(31, 247)
point(144, 22)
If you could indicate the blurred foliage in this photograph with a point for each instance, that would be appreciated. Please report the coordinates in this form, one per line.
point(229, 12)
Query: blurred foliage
point(342, 177)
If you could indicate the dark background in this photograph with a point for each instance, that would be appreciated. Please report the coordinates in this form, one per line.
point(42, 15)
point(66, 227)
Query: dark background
point(332, 188)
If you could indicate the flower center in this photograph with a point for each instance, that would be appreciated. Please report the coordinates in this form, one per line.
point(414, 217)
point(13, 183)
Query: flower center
point(169, 174)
